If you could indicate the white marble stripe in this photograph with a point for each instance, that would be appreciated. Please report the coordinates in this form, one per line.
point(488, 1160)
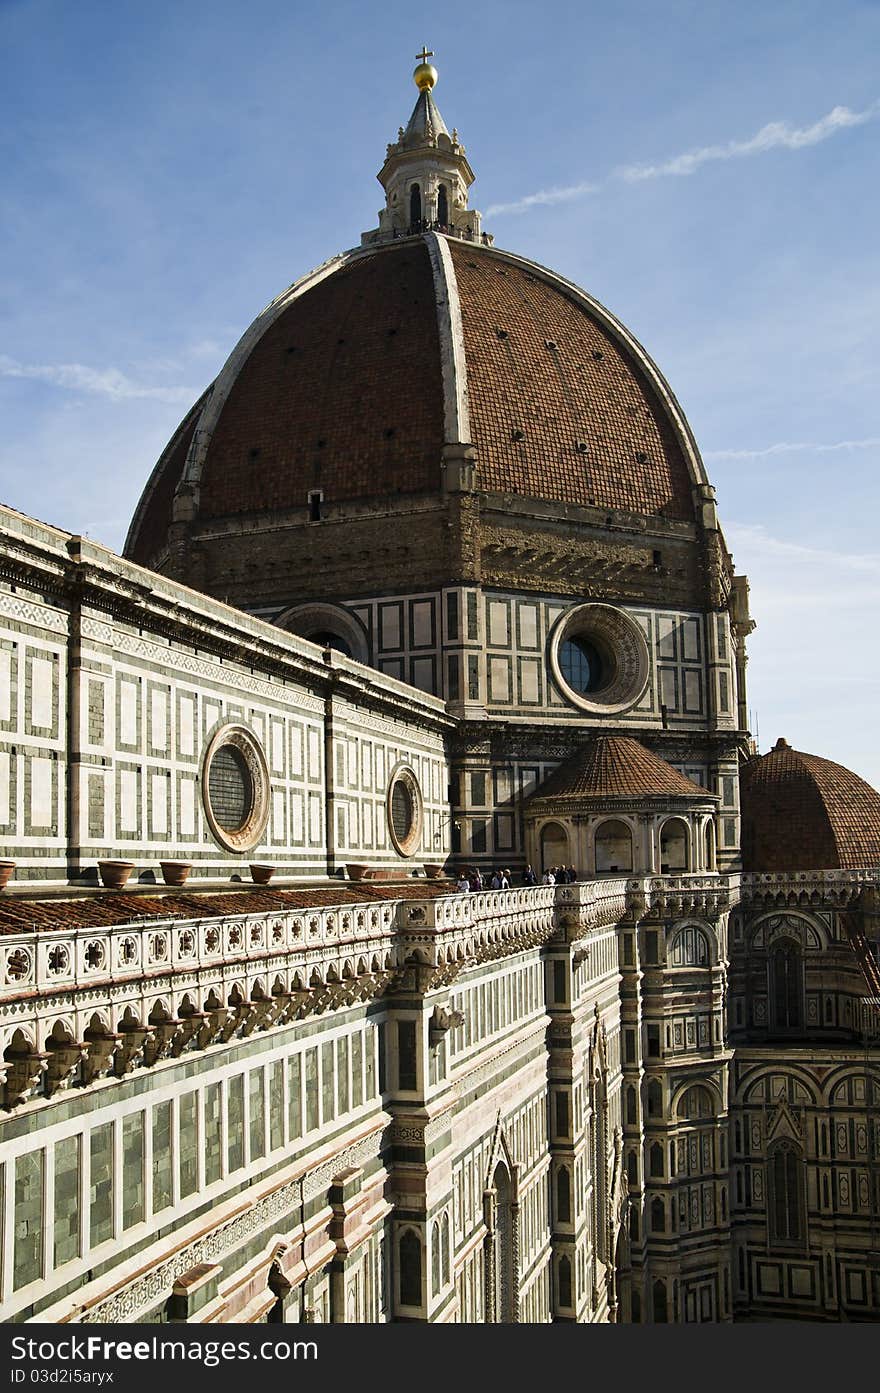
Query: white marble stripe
point(456, 416)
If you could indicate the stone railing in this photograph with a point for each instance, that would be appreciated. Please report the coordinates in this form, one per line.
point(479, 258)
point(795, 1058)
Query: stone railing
point(674, 896)
point(79, 1003)
point(590, 904)
point(446, 933)
point(86, 1002)
point(803, 889)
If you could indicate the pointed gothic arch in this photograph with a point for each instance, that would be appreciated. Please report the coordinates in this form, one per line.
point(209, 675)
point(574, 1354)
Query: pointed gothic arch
point(501, 1209)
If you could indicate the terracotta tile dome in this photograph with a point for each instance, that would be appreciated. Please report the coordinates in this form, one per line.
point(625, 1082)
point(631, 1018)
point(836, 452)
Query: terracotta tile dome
point(616, 766)
point(803, 813)
point(343, 385)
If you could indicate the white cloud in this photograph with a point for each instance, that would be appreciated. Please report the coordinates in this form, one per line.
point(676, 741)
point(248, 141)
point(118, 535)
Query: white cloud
point(777, 135)
point(543, 196)
point(814, 671)
point(106, 382)
point(756, 537)
point(785, 447)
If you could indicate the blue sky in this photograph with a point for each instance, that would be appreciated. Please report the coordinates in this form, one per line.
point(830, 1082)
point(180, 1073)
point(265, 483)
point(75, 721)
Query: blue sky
point(707, 170)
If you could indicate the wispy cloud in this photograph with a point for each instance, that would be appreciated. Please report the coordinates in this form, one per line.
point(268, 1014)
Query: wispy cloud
point(105, 382)
point(758, 540)
point(776, 135)
point(543, 196)
point(790, 447)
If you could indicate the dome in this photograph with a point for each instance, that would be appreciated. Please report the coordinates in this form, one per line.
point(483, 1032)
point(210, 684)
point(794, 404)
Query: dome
point(803, 813)
point(618, 767)
point(357, 383)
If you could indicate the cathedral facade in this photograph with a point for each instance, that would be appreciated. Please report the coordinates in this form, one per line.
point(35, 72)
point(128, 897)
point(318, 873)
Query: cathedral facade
point(400, 924)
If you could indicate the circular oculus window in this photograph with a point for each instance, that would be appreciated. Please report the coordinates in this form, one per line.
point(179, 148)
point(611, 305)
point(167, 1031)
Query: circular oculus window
point(235, 788)
point(599, 659)
point(404, 810)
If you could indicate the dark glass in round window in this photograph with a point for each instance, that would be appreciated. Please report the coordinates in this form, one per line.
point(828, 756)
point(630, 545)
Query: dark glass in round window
point(581, 664)
point(328, 640)
point(230, 789)
point(401, 810)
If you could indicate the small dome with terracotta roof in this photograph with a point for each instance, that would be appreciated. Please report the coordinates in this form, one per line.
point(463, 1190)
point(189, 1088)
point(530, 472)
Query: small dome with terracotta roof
point(616, 767)
point(803, 813)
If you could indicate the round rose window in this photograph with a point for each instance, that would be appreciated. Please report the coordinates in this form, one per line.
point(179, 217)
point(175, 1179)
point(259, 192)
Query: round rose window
point(599, 659)
point(404, 810)
point(235, 788)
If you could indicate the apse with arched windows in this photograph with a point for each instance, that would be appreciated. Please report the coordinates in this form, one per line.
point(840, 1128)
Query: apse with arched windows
point(622, 842)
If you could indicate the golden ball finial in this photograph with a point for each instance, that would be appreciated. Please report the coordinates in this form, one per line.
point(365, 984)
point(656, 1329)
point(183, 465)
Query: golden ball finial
point(425, 76)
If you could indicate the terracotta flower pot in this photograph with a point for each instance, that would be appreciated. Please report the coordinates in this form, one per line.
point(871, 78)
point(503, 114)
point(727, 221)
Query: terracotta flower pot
point(114, 874)
point(260, 874)
point(6, 869)
point(357, 870)
point(175, 872)
point(433, 872)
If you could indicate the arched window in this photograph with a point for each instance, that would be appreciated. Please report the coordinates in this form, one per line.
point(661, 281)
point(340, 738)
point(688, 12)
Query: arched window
point(631, 1109)
point(410, 1272)
point(442, 206)
point(660, 1316)
point(709, 845)
point(325, 639)
point(785, 1193)
point(505, 1276)
point(655, 1099)
point(415, 207)
point(690, 948)
point(785, 966)
point(564, 1271)
point(444, 1248)
point(656, 1159)
point(632, 1168)
point(563, 1196)
point(695, 1102)
point(658, 1216)
point(436, 1259)
point(674, 849)
point(614, 847)
point(554, 846)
